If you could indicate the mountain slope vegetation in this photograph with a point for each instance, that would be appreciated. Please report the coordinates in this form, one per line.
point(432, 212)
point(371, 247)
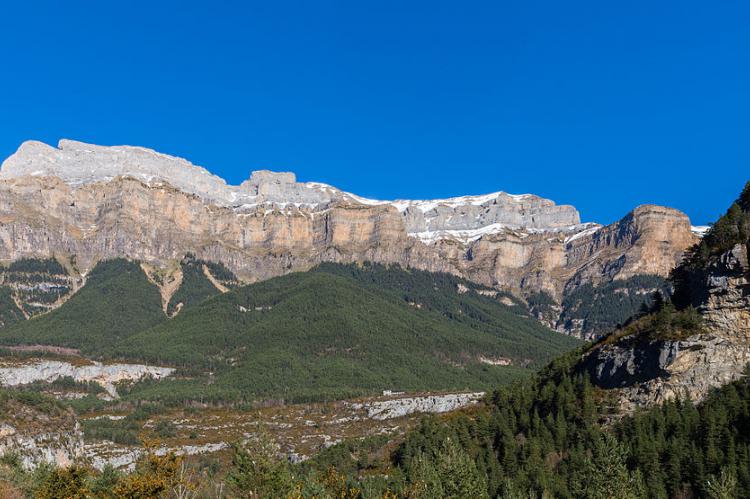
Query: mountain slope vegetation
point(554, 436)
point(602, 309)
point(339, 331)
point(196, 286)
point(558, 435)
point(31, 286)
point(332, 332)
point(9, 311)
point(116, 302)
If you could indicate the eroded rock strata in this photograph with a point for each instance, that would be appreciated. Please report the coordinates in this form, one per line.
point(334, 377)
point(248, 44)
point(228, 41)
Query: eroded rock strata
point(85, 203)
point(647, 371)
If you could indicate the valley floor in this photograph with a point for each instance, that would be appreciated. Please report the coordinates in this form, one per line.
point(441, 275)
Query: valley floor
point(106, 430)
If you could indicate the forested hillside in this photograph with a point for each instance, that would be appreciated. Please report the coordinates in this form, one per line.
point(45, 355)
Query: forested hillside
point(555, 436)
point(558, 435)
point(196, 285)
point(333, 332)
point(116, 302)
point(29, 287)
point(598, 310)
point(339, 331)
point(9, 311)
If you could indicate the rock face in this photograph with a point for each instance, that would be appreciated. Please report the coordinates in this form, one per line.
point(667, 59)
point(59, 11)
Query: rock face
point(106, 375)
point(434, 404)
point(40, 436)
point(77, 163)
point(654, 372)
point(85, 203)
point(726, 306)
point(472, 216)
point(648, 240)
point(651, 372)
point(60, 448)
point(105, 453)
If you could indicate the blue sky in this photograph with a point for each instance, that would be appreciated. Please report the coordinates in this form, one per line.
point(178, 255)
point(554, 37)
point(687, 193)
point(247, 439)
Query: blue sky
point(604, 105)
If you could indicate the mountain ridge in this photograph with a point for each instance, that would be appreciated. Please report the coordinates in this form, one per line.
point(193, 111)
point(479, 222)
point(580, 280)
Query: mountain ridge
point(494, 240)
point(698, 341)
point(78, 163)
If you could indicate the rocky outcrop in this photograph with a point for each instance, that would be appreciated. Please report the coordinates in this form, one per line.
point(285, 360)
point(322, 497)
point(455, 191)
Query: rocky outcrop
point(400, 407)
point(106, 375)
point(726, 306)
point(76, 163)
point(651, 372)
point(650, 240)
point(56, 447)
point(85, 203)
point(468, 217)
point(104, 453)
point(37, 435)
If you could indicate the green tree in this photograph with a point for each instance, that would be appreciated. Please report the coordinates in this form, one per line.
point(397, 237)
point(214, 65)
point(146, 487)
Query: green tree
point(723, 487)
point(256, 472)
point(605, 473)
point(103, 485)
point(459, 476)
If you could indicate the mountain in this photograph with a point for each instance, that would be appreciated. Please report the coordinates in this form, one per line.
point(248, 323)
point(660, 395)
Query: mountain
point(85, 203)
point(329, 332)
point(698, 341)
point(116, 299)
point(658, 408)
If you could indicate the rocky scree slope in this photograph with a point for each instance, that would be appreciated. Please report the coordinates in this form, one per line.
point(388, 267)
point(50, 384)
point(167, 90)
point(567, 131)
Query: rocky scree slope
point(38, 429)
point(698, 342)
point(93, 202)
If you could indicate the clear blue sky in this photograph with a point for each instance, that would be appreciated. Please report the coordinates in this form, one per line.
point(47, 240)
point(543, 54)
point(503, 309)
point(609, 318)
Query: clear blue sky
point(604, 105)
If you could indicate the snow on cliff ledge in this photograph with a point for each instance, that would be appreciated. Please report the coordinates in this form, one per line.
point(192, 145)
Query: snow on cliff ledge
point(463, 218)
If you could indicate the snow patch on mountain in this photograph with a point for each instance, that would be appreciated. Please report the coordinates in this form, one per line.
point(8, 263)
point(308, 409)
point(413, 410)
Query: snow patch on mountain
point(463, 218)
point(700, 230)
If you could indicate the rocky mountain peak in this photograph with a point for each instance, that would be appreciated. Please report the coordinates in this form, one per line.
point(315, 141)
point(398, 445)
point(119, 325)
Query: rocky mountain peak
point(86, 203)
point(78, 163)
point(698, 341)
point(463, 218)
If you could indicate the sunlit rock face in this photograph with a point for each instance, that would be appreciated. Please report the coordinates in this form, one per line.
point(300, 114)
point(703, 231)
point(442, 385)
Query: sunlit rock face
point(86, 203)
point(649, 372)
point(105, 375)
point(428, 404)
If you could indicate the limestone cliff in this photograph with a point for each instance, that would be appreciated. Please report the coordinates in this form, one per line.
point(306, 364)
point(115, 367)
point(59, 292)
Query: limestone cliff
point(85, 203)
point(677, 353)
